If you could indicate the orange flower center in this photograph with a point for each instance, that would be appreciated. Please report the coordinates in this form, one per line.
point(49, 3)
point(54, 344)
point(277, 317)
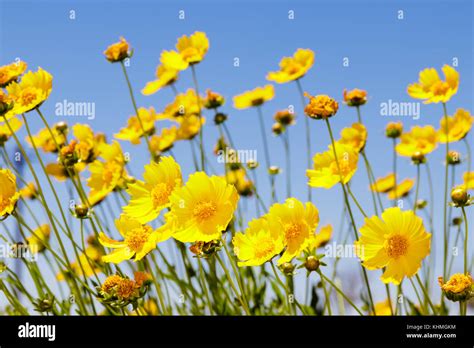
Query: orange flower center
point(27, 97)
point(440, 88)
point(189, 53)
point(125, 288)
point(265, 247)
point(204, 211)
point(4, 203)
point(397, 246)
point(343, 166)
point(137, 238)
point(160, 194)
point(292, 68)
point(293, 231)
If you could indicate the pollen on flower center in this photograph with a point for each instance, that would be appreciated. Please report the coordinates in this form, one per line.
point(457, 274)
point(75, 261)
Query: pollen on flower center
point(137, 238)
point(204, 210)
point(126, 288)
point(343, 166)
point(293, 231)
point(397, 246)
point(189, 53)
point(440, 88)
point(265, 246)
point(160, 194)
point(27, 97)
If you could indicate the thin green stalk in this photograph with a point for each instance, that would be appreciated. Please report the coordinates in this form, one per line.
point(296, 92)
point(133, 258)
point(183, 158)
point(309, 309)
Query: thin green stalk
point(340, 292)
point(395, 169)
point(307, 131)
point(427, 296)
point(201, 128)
point(417, 187)
point(466, 228)
point(445, 200)
point(266, 151)
point(286, 144)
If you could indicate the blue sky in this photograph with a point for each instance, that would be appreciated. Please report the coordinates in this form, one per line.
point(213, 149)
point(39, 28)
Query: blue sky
point(385, 55)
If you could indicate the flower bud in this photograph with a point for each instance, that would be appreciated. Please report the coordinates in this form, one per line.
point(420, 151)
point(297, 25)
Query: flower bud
point(273, 170)
point(220, 118)
point(460, 287)
point(311, 263)
point(418, 158)
point(394, 130)
point(277, 128)
point(287, 268)
point(459, 196)
point(453, 158)
point(321, 107)
point(81, 211)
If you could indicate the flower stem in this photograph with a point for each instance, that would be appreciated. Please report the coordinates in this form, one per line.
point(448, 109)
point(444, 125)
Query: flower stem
point(266, 151)
point(130, 90)
point(349, 210)
point(308, 134)
point(286, 143)
point(465, 238)
point(427, 296)
point(417, 187)
point(395, 169)
point(201, 126)
point(445, 201)
point(340, 292)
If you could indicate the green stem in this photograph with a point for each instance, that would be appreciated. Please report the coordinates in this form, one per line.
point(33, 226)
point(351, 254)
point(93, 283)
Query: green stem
point(341, 293)
point(201, 128)
point(266, 151)
point(308, 133)
point(465, 238)
point(417, 187)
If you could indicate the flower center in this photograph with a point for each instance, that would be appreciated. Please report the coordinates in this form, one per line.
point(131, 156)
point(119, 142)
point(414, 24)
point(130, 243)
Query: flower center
point(189, 53)
point(343, 166)
point(397, 246)
point(264, 247)
point(293, 68)
point(27, 97)
point(125, 288)
point(138, 237)
point(440, 88)
point(4, 203)
point(204, 211)
point(293, 231)
point(160, 194)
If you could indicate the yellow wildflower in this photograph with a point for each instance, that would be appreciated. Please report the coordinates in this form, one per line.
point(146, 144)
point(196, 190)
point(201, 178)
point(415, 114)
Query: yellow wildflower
point(5, 133)
point(44, 140)
point(11, 72)
point(468, 178)
point(118, 51)
point(134, 131)
point(432, 89)
point(164, 77)
point(164, 141)
point(8, 192)
point(458, 126)
point(255, 97)
point(419, 139)
point(384, 184)
point(293, 68)
point(38, 240)
point(354, 136)
point(460, 287)
point(355, 97)
point(402, 189)
point(189, 50)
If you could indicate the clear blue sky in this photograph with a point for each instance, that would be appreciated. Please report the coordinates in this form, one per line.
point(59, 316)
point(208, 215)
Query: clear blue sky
point(385, 55)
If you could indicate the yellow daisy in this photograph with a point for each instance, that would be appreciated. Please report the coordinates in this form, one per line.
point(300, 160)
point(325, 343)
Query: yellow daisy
point(5, 133)
point(138, 241)
point(418, 140)
point(44, 141)
point(384, 184)
point(402, 189)
point(468, 178)
point(432, 89)
point(118, 51)
point(293, 68)
point(382, 308)
point(255, 97)
point(325, 172)
point(260, 243)
point(354, 136)
point(151, 196)
point(38, 240)
point(106, 175)
point(321, 106)
point(298, 222)
point(89, 262)
point(189, 126)
point(189, 50)
point(355, 97)
point(458, 126)
point(134, 131)
point(397, 242)
point(202, 209)
point(184, 104)
point(164, 77)
point(321, 238)
point(8, 192)
point(238, 178)
point(29, 191)
point(33, 89)
point(164, 141)
point(11, 72)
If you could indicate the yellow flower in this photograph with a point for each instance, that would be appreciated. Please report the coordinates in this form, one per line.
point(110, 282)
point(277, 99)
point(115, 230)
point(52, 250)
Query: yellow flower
point(33, 89)
point(460, 287)
point(355, 97)
point(38, 240)
point(202, 209)
point(419, 139)
point(402, 189)
point(189, 126)
point(6, 104)
point(5, 133)
point(284, 117)
point(150, 197)
point(325, 172)
point(11, 72)
point(239, 179)
point(255, 97)
point(107, 175)
point(88, 263)
point(118, 51)
point(164, 77)
point(354, 136)
point(184, 104)
point(432, 89)
point(398, 243)
point(190, 50)
point(133, 131)
point(394, 129)
point(320, 106)
point(383, 308)
point(164, 141)
point(468, 178)
point(321, 238)
point(8, 192)
point(29, 191)
point(44, 140)
point(458, 126)
point(384, 184)
point(138, 241)
point(57, 171)
point(213, 100)
point(298, 224)
point(260, 243)
point(293, 68)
